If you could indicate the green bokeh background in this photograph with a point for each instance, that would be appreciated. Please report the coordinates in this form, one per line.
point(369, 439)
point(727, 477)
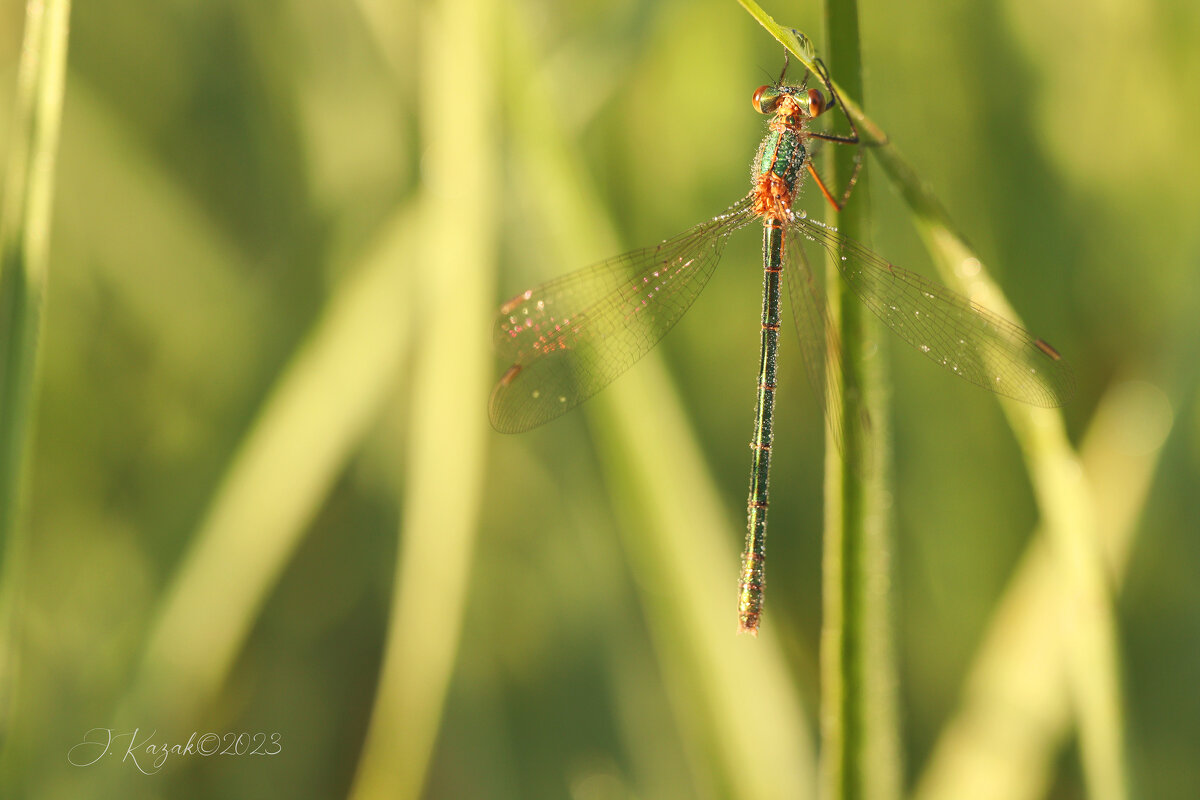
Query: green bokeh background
point(226, 167)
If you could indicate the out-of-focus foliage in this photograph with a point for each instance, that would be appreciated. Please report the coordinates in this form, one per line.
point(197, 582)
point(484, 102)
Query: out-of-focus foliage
point(231, 172)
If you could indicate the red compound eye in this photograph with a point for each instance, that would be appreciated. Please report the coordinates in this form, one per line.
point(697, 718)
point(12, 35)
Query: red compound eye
point(766, 99)
point(816, 103)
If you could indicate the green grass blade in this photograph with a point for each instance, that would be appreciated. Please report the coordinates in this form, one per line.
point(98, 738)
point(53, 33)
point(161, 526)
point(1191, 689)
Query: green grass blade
point(24, 245)
point(1066, 503)
point(448, 430)
point(1015, 715)
point(860, 741)
point(318, 411)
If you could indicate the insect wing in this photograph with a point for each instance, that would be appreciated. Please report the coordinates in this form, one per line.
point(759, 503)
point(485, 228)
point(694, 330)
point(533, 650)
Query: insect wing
point(821, 346)
point(569, 338)
point(952, 331)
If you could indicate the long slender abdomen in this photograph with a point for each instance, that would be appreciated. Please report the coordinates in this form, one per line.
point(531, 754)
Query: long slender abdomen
point(753, 581)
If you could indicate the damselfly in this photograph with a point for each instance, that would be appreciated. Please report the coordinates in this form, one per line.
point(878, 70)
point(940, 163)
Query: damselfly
point(569, 338)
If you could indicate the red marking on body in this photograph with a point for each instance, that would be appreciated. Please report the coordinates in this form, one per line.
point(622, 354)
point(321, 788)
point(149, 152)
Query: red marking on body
point(788, 116)
point(772, 197)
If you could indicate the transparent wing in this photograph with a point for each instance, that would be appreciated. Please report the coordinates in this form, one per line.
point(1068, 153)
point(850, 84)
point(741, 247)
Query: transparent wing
point(569, 338)
point(952, 331)
point(821, 346)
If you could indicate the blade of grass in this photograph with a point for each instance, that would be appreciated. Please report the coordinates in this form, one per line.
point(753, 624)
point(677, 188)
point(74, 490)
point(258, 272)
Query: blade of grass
point(448, 432)
point(1014, 716)
point(24, 246)
point(860, 749)
point(319, 409)
point(1085, 608)
point(680, 551)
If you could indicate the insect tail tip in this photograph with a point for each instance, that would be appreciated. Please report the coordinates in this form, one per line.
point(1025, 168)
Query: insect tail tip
point(749, 626)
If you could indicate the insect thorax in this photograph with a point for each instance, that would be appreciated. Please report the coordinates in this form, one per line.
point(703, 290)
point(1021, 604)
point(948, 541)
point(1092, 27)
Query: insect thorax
point(776, 169)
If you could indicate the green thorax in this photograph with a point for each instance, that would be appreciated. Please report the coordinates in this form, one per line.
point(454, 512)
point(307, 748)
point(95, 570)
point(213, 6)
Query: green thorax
point(781, 152)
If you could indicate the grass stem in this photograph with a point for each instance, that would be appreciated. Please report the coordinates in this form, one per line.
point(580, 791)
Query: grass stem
point(860, 744)
point(24, 245)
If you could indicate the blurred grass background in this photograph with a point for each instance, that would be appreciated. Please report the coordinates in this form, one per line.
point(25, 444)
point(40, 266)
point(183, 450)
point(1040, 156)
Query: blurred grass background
point(264, 377)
